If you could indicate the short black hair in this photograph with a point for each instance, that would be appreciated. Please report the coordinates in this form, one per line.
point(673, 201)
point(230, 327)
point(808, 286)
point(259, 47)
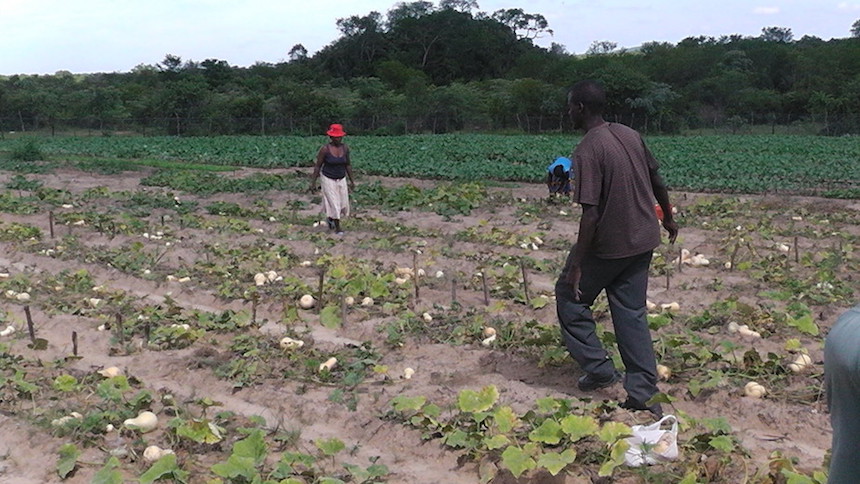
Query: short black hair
point(559, 172)
point(590, 93)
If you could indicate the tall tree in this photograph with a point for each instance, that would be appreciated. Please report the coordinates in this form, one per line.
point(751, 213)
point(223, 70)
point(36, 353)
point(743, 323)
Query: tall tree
point(777, 34)
point(601, 47)
point(526, 25)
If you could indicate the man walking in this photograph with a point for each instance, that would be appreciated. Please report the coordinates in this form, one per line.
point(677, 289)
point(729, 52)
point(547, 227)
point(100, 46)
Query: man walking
point(617, 181)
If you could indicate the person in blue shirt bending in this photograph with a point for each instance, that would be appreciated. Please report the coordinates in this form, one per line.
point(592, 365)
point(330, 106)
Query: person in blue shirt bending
point(558, 176)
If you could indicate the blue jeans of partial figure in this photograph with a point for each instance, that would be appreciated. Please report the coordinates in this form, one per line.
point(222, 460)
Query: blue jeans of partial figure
point(842, 378)
point(560, 186)
point(626, 284)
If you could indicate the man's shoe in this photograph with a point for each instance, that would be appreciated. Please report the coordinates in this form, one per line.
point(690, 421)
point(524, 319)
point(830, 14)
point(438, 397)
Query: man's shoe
point(589, 382)
point(631, 404)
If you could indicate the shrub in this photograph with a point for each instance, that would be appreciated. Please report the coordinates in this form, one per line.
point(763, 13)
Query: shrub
point(27, 151)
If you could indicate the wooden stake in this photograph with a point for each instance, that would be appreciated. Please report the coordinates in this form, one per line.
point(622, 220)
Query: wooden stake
point(453, 290)
point(415, 273)
point(119, 329)
point(796, 252)
point(320, 290)
point(51, 223)
point(74, 343)
point(668, 277)
point(484, 284)
point(30, 327)
point(146, 332)
point(680, 261)
point(343, 310)
point(254, 309)
point(525, 280)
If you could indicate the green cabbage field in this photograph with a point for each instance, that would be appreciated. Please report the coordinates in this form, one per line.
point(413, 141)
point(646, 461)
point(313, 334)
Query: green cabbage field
point(731, 163)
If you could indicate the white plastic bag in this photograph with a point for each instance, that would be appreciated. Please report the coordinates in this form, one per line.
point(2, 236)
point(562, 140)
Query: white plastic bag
point(651, 443)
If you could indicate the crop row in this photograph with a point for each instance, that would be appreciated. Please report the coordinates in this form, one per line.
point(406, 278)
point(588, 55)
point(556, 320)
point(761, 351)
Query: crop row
point(748, 164)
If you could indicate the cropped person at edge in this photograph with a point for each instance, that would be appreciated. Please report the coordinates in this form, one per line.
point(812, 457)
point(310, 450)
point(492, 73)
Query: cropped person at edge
point(616, 182)
point(334, 164)
point(842, 380)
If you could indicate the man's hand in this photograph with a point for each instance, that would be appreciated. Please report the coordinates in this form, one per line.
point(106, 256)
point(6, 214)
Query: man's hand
point(574, 274)
point(312, 187)
point(351, 185)
point(672, 227)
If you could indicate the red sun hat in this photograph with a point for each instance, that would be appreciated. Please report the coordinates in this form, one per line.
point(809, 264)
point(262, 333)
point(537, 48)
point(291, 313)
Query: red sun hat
point(335, 131)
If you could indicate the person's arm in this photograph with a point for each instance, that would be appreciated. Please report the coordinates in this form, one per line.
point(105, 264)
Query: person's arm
point(317, 168)
point(661, 193)
point(349, 168)
point(584, 243)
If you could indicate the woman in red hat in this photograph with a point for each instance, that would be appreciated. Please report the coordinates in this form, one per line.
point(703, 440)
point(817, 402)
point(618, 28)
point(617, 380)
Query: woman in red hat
point(336, 180)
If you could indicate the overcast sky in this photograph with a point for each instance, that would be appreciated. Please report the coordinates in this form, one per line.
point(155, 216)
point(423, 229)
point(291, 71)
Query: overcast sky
point(84, 36)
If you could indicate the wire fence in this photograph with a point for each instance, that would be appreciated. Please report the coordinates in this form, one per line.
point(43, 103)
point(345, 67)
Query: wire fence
point(399, 125)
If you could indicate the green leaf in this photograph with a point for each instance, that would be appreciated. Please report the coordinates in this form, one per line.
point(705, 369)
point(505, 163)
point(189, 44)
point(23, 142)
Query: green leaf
point(616, 458)
point(496, 442)
point(579, 426)
point(402, 403)
point(538, 302)
point(253, 447)
point(200, 431)
point(65, 383)
point(549, 432)
point(330, 446)
point(480, 401)
point(554, 462)
point(657, 321)
point(291, 458)
point(659, 397)
point(108, 474)
point(38, 344)
point(457, 439)
point(795, 478)
point(517, 461)
point(723, 443)
point(379, 288)
point(378, 470)
point(690, 478)
point(330, 480)
point(330, 317)
point(506, 419)
point(547, 405)
point(69, 454)
point(113, 388)
point(487, 471)
point(236, 466)
point(804, 324)
point(242, 319)
point(163, 467)
point(432, 410)
point(716, 425)
point(612, 431)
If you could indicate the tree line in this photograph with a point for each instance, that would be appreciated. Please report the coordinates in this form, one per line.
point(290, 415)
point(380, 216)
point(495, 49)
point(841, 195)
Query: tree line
point(427, 68)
